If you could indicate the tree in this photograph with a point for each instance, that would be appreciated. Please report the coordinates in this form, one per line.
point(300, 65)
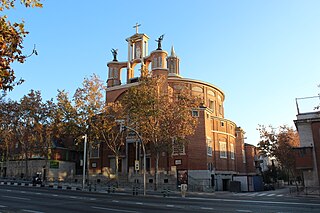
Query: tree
point(29, 119)
point(279, 145)
point(11, 39)
point(89, 102)
point(6, 131)
point(64, 118)
point(158, 117)
point(108, 130)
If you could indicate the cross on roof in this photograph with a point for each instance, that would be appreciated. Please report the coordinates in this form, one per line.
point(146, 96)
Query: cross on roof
point(137, 26)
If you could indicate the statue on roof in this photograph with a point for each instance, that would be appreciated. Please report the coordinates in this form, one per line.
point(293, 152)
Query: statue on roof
point(114, 53)
point(159, 42)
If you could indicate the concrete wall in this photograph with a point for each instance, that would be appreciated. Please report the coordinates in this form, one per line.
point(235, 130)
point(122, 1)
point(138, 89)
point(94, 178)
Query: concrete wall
point(16, 169)
point(244, 182)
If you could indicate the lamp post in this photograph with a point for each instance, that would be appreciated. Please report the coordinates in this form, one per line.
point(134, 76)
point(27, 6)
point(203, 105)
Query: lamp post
point(123, 127)
point(84, 161)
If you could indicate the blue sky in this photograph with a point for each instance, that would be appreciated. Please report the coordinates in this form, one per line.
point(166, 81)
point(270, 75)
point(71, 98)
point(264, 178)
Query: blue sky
point(262, 54)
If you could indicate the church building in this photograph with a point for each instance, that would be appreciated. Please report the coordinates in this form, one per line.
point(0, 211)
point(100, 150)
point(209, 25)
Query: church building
point(216, 153)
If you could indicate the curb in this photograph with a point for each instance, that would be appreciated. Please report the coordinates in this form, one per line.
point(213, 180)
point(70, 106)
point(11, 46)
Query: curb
point(54, 186)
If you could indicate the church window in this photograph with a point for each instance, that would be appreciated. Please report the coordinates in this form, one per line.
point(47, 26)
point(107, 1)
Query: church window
point(154, 64)
point(178, 149)
point(223, 149)
point(211, 104)
point(110, 73)
point(115, 73)
point(220, 108)
point(232, 151)
point(209, 146)
point(244, 156)
point(197, 89)
point(195, 113)
point(94, 150)
point(210, 92)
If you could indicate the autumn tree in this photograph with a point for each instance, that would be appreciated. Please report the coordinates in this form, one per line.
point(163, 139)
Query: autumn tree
point(108, 130)
point(278, 143)
point(64, 124)
point(6, 130)
point(11, 43)
point(160, 118)
point(89, 102)
point(29, 119)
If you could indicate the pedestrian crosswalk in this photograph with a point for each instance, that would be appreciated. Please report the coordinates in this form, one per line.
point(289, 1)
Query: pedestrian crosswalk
point(259, 194)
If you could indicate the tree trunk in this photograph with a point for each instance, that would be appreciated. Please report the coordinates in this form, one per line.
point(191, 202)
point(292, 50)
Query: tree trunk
point(26, 166)
point(117, 166)
point(156, 172)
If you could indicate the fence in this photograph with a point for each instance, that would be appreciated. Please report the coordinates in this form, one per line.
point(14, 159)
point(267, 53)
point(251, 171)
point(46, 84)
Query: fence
point(308, 191)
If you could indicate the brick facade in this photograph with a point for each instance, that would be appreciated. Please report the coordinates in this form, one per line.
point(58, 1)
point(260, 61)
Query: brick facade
point(203, 158)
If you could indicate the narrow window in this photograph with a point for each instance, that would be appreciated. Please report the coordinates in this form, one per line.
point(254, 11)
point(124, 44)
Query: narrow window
point(223, 149)
point(232, 151)
point(195, 113)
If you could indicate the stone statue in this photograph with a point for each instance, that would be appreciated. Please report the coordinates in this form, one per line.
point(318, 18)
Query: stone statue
point(114, 53)
point(159, 42)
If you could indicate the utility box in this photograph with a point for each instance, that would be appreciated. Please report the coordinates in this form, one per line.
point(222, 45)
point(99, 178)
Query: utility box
point(235, 186)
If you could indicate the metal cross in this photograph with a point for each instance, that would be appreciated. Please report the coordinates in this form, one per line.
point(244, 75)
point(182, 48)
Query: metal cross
point(137, 26)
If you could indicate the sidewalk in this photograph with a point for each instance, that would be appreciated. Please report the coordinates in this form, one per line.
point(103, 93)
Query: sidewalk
point(286, 191)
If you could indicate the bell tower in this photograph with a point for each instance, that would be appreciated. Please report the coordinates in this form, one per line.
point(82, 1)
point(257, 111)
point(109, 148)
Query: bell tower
point(137, 50)
point(173, 63)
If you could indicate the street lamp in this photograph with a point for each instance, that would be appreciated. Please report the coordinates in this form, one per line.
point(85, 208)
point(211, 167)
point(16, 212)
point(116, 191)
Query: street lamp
point(84, 161)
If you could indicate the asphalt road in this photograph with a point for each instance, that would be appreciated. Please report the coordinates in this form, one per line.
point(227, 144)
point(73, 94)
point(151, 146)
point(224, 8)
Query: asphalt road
point(38, 200)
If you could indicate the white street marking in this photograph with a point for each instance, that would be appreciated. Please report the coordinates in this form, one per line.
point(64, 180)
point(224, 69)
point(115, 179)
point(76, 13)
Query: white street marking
point(269, 195)
point(139, 203)
point(1, 206)
point(239, 210)
point(262, 194)
point(115, 201)
point(206, 208)
point(31, 211)
point(254, 201)
point(18, 198)
point(109, 209)
point(170, 205)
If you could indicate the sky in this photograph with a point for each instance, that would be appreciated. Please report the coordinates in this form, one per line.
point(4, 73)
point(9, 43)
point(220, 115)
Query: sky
point(261, 54)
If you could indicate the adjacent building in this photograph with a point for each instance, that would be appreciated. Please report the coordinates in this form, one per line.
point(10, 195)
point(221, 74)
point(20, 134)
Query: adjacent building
point(308, 154)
